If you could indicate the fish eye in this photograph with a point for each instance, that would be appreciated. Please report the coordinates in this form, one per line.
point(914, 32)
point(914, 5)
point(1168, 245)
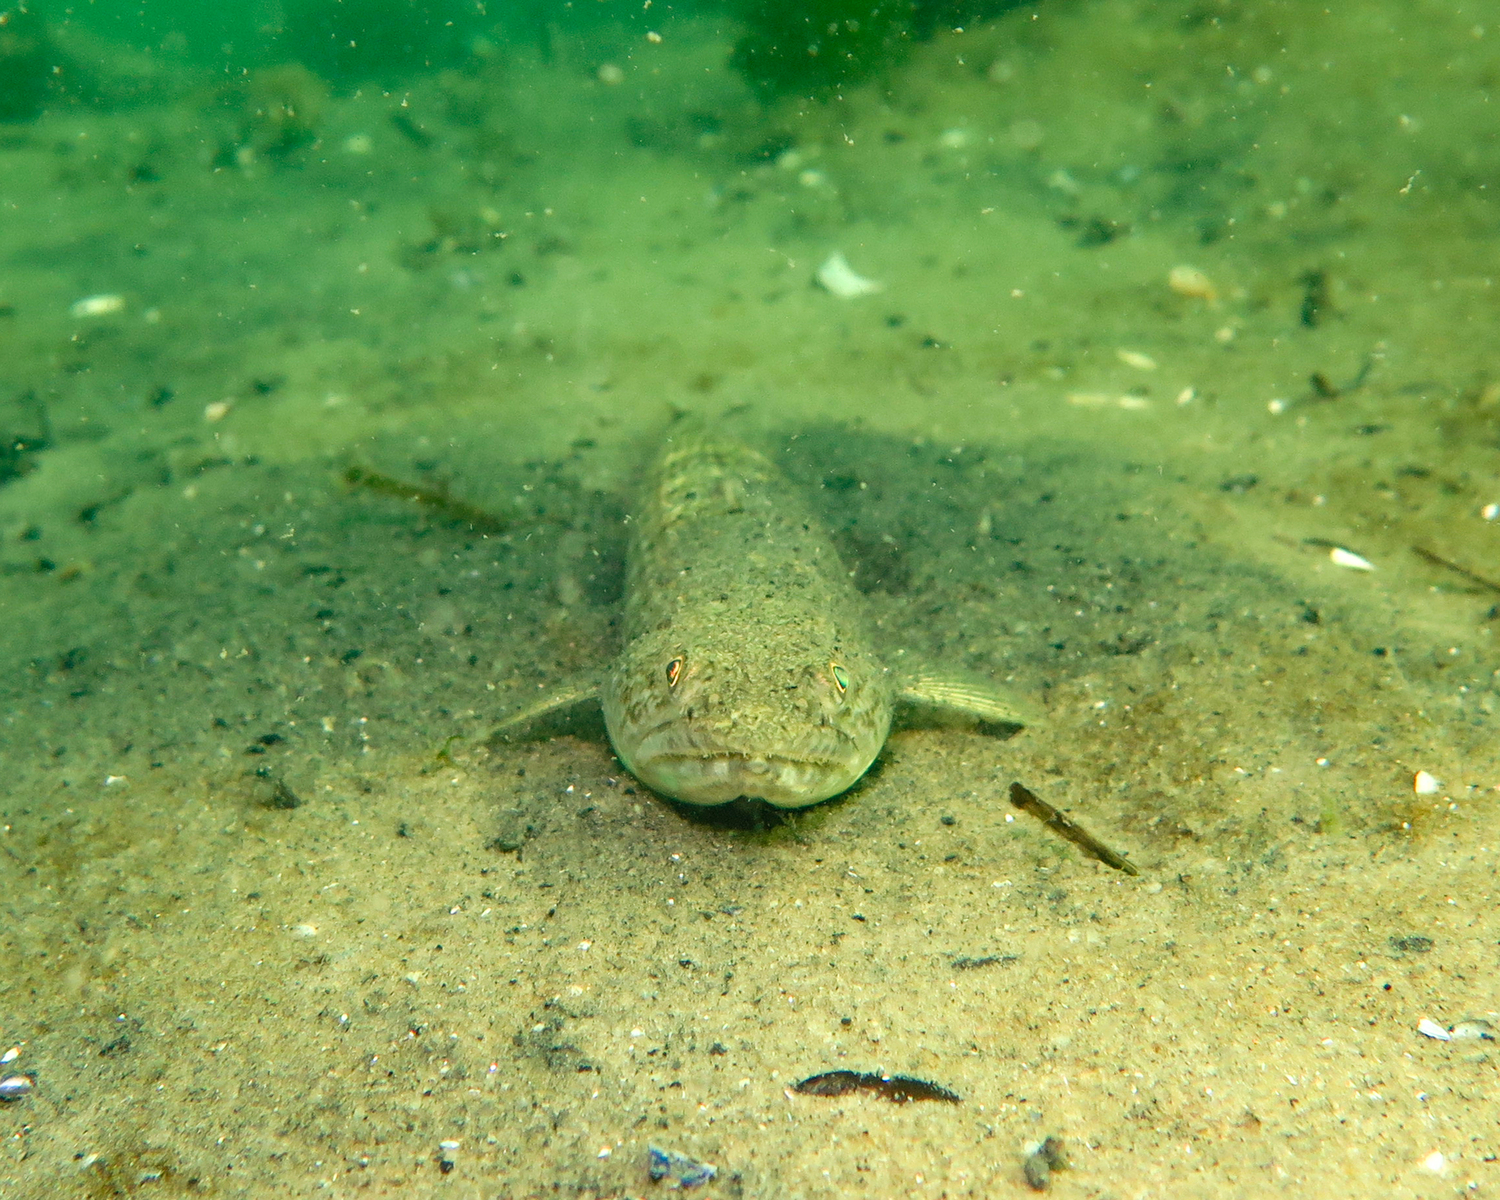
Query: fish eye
point(674, 672)
point(840, 677)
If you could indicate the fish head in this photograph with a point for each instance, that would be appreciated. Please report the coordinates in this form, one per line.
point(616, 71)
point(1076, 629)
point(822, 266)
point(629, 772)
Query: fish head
point(791, 720)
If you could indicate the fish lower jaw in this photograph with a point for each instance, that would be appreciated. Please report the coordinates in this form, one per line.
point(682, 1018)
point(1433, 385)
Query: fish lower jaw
point(717, 778)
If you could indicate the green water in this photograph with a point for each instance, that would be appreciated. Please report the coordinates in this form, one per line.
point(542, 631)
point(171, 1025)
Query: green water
point(1171, 317)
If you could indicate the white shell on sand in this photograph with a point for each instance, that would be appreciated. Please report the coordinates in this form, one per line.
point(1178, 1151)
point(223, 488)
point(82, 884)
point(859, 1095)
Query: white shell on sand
point(102, 305)
point(839, 278)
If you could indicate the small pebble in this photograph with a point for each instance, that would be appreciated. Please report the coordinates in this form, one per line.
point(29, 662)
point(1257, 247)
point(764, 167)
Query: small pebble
point(684, 1171)
point(1038, 1173)
point(1040, 1163)
point(1425, 784)
point(1340, 557)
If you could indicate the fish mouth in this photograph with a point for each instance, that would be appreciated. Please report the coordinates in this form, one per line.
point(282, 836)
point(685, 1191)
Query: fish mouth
point(713, 777)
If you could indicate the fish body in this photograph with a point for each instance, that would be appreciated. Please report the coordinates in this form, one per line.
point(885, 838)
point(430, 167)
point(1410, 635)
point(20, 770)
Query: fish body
point(748, 668)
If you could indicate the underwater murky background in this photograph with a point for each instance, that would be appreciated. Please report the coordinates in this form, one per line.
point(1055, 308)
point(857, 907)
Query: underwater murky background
point(1140, 355)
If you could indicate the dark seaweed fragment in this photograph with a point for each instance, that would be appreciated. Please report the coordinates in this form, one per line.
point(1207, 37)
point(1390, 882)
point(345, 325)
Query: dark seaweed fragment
point(898, 1089)
point(434, 499)
point(830, 1083)
point(1315, 298)
point(280, 795)
point(1412, 943)
point(1028, 801)
point(965, 963)
point(18, 450)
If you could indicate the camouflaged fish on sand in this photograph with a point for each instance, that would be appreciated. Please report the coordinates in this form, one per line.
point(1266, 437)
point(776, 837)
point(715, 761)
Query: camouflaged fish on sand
point(749, 668)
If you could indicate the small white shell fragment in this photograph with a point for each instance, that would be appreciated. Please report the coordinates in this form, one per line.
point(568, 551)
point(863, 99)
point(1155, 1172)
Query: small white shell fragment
point(1424, 783)
point(1134, 358)
point(1435, 1162)
point(1340, 557)
point(1108, 400)
point(15, 1087)
point(304, 931)
point(1490, 511)
point(217, 411)
point(1427, 1027)
point(1192, 283)
point(101, 305)
point(839, 278)
point(448, 1145)
point(1276, 407)
point(10, 1055)
point(1187, 395)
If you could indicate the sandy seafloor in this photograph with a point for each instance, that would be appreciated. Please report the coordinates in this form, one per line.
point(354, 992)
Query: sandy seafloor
point(512, 949)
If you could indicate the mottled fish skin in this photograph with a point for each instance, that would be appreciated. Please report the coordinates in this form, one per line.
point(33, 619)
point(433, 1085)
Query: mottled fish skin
point(747, 669)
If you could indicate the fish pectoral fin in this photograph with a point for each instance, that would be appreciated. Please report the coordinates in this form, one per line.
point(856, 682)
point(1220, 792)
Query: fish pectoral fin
point(570, 709)
point(957, 698)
